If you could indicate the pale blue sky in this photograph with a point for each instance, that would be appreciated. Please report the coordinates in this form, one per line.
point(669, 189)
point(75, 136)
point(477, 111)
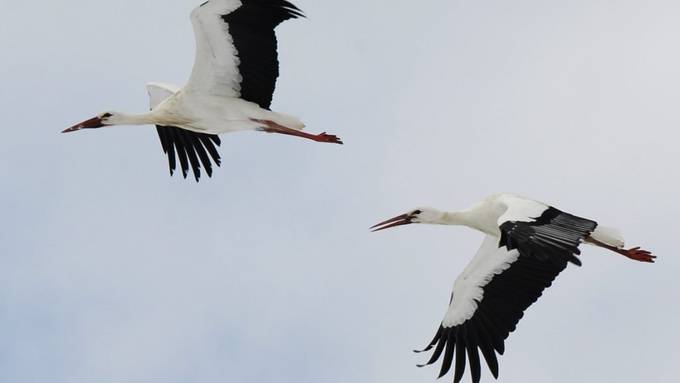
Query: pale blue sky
point(111, 271)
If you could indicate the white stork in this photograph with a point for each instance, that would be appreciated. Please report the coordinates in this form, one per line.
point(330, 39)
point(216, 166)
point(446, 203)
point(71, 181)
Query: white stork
point(230, 88)
point(527, 245)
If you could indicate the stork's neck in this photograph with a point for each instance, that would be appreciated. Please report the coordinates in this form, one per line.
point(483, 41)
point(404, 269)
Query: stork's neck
point(439, 217)
point(133, 119)
point(475, 218)
point(457, 218)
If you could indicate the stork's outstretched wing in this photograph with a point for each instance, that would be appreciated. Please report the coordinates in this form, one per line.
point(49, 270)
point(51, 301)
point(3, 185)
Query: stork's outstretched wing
point(236, 48)
point(505, 277)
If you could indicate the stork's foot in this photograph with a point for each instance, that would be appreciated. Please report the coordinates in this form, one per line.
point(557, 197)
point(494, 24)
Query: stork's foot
point(638, 254)
point(328, 138)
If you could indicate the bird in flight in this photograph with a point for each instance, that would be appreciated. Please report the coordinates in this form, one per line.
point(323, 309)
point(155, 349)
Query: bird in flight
point(230, 88)
point(527, 244)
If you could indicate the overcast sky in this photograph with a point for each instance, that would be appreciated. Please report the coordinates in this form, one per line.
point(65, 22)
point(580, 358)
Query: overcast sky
point(111, 271)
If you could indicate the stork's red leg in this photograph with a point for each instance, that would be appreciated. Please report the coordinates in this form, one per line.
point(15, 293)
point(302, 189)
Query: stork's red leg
point(636, 253)
point(273, 127)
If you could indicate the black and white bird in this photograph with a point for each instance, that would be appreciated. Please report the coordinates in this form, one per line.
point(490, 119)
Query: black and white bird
point(230, 88)
point(527, 244)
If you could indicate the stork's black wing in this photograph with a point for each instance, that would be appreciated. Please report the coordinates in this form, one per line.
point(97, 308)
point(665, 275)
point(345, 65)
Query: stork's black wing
point(252, 29)
point(545, 245)
point(555, 235)
point(193, 149)
point(506, 296)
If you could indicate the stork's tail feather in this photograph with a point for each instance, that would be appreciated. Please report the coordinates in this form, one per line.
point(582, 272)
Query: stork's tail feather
point(608, 236)
point(288, 121)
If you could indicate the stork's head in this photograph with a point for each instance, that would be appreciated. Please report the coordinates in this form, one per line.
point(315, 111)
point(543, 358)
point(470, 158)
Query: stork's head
point(420, 215)
point(99, 121)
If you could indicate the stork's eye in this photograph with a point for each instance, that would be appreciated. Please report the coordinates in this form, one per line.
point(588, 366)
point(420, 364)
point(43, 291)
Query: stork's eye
point(106, 115)
point(417, 212)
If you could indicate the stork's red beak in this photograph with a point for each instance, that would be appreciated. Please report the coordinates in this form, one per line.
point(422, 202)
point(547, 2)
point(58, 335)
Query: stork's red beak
point(401, 220)
point(92, 123)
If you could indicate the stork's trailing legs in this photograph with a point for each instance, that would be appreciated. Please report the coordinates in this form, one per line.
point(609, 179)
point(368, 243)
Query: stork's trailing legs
point(273, 127)
point(636, 253)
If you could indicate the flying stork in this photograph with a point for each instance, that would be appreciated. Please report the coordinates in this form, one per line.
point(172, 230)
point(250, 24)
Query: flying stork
point(527, 244)
point(230, 88)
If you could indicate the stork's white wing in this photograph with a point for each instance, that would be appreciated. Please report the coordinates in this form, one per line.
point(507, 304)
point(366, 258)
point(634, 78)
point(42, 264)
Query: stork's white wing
point(489, 298)
point(215, 69)
point(520, 209)
point(469, 286)
point(236, 48)
point(159, 92)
